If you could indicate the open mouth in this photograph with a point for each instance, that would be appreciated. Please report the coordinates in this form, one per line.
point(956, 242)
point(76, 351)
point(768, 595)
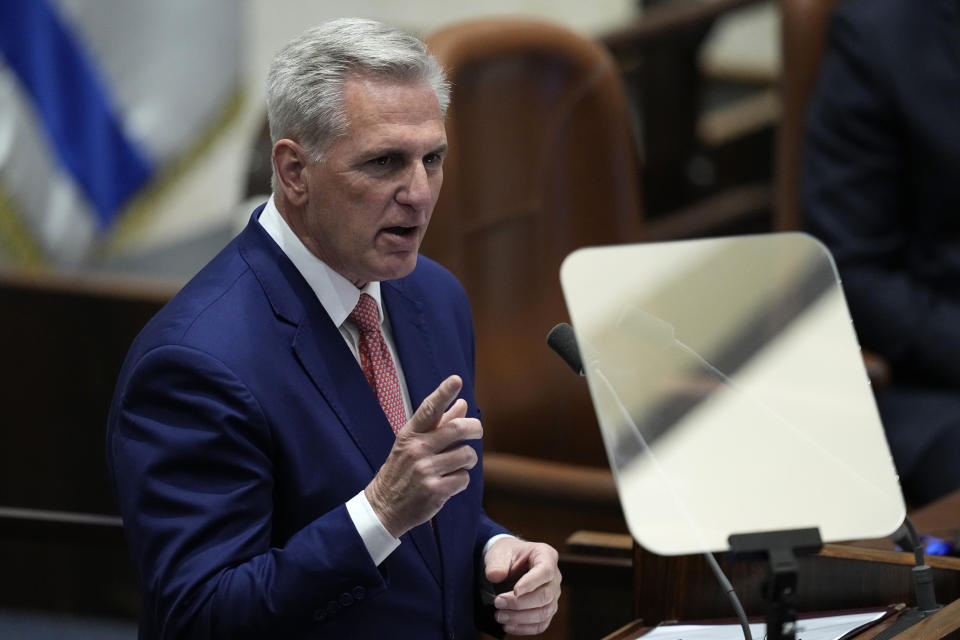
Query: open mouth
point(400, 231)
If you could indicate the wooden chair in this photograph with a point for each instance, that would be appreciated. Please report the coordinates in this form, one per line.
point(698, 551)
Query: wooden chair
point(706, 168)
point(542, 161)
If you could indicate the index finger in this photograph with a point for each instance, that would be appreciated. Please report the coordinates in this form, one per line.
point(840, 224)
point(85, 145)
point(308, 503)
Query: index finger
point(540, 574)
point(428, 414)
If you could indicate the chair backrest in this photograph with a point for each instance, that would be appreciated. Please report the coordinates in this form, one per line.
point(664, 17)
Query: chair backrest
point(803, 30)
point(542, 161)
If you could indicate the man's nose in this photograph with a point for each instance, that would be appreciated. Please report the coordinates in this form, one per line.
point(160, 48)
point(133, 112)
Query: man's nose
point(416, 190)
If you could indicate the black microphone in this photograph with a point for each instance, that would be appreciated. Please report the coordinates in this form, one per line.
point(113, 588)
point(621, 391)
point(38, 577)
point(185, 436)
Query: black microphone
point(564, 342)
point(922, 578)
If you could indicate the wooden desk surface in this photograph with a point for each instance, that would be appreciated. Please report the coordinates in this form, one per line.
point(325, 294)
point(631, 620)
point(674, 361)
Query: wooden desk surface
point(847, 576)
point(942, 624)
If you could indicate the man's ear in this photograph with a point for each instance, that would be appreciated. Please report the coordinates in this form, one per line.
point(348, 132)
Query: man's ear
point(289, 166)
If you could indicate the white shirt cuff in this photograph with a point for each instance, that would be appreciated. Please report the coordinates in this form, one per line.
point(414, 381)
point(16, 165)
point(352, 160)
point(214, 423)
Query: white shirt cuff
point(493, 539)
point(376, 538)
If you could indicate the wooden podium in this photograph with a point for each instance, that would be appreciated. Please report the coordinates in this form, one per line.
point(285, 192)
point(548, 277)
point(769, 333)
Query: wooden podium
point(941, 625)
point(842, 577)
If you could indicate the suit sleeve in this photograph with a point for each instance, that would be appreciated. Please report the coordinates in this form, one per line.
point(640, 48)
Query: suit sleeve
point(857, 199)
point(190, 453)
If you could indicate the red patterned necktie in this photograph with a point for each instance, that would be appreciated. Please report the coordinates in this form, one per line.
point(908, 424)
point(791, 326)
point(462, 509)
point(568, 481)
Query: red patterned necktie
point(376, 361)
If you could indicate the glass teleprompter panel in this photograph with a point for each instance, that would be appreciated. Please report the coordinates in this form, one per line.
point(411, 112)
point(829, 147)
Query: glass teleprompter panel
point(730, 391)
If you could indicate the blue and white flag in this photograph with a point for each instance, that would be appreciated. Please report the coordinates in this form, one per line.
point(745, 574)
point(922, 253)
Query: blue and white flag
point(101, 103)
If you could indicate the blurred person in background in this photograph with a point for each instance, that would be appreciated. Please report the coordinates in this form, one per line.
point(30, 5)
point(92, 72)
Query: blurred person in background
point(881, 187)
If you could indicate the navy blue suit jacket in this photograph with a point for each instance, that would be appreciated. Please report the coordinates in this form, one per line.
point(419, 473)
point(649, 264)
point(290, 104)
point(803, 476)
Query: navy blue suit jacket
point(240, 426)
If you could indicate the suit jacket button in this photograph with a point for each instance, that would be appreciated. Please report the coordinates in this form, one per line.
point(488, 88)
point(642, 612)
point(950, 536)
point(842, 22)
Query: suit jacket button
point(359, 593)
point(332, 607)
point(346, 599)
point(320, 615)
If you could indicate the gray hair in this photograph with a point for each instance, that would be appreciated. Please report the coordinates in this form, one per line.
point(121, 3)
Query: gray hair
point(306, 79)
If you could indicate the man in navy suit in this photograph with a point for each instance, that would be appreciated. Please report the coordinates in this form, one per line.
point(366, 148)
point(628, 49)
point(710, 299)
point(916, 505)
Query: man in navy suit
point(278, 476)
point(882, 190)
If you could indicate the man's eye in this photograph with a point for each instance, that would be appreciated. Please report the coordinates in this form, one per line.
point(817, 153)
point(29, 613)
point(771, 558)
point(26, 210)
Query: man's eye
point(382, 161)
point(433, 159)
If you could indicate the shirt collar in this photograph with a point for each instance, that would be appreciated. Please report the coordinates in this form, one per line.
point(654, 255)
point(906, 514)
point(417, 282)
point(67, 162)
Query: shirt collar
point(338, 295)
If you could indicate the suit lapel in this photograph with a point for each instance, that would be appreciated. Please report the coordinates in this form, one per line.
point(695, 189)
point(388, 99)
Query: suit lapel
point(412, 340)
point(423, 370)
point(318, 345)
point(422, 375)
point(321, 350)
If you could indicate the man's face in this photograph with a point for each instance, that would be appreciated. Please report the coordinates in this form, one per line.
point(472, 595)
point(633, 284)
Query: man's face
point(371, 195)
